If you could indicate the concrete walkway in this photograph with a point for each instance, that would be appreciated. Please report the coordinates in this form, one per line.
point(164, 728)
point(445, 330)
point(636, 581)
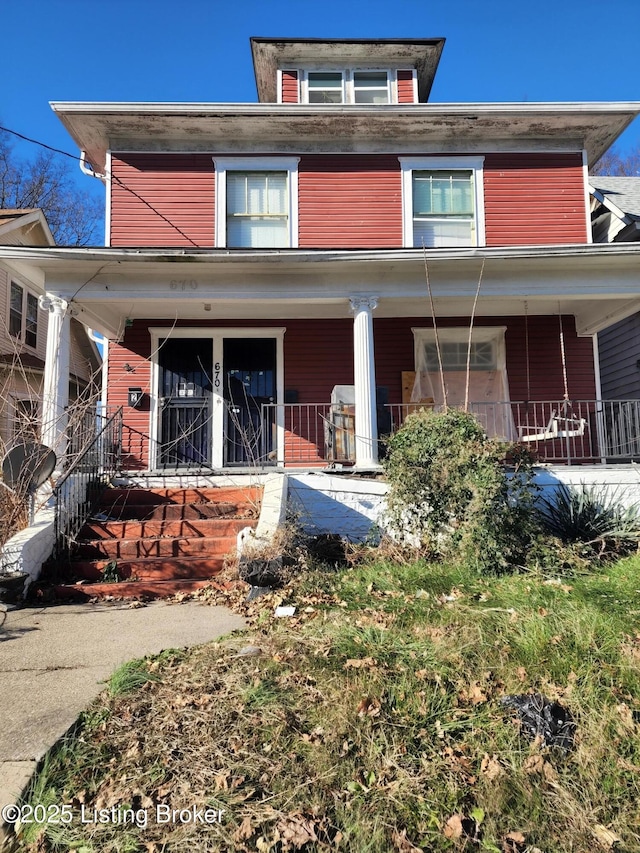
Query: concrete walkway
point(54, 661)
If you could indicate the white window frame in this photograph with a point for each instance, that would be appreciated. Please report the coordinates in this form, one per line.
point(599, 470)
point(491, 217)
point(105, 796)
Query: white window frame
point(26, 293)
point(409, 165)
point(348, 91)
point(223, 165)
point(460, 335)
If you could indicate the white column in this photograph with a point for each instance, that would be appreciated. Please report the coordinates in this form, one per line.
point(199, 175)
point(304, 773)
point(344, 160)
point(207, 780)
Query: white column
point(364, 375)
point(55, 395)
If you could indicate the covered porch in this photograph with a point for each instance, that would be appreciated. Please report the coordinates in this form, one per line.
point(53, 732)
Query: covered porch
point(301, 359)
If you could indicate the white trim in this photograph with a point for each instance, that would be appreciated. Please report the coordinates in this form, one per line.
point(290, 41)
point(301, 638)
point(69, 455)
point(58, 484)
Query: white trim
point(107, 204)
point(587, 195)
point(222, 165)
point(217, 335)
point(415, 86)
point(279, 85)
point(410, 164)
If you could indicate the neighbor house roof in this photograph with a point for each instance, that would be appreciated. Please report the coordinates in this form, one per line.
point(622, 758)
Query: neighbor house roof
point(615, 209)
point(24, 227)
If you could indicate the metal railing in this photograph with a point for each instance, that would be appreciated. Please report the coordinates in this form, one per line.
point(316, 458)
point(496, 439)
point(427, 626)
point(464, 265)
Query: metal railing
point(315, 434)
point(558, 431)
point(77, 491)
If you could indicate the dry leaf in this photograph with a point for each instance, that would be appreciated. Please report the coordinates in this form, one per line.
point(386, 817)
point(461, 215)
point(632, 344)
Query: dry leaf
point(368, 707)
point(513, 842)
point(453, 828)
point(360, 663)
point(296, 830)
point(490, 767)
point(402, 844)
point(521, 672)
point(605, 837)
point(244, 831)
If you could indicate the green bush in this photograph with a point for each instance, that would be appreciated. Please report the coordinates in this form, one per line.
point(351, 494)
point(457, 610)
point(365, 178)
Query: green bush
point(450, 493)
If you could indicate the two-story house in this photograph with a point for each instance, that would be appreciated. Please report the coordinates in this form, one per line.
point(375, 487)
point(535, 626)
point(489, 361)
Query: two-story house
point(23, 335)
point(283, 280)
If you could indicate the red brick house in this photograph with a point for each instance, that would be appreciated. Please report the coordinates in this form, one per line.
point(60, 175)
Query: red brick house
point(272, 269)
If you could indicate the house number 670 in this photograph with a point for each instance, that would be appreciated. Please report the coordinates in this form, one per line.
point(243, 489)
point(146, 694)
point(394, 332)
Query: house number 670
point(183, 284)
point(216, 375)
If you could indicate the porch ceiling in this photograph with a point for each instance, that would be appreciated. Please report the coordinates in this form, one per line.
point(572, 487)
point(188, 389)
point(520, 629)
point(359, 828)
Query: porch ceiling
point(597, 283)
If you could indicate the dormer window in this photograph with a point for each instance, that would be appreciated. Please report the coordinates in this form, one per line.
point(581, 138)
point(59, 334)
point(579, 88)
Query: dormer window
point(348, 86)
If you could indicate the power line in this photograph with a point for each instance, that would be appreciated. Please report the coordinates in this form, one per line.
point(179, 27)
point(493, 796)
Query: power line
point(115, 178)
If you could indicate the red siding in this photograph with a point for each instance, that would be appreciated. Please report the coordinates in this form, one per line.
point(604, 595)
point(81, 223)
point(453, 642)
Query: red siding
point(350, 201)
point(319, 354)
point(290, 87)
point(405, 87)
point(162, 200)
point(534, 199)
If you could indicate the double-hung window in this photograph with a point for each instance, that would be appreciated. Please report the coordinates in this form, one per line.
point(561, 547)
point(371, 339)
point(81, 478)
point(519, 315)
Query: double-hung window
point(23, 315)
point(443, 201)
point(348, 86)
point(257, 202)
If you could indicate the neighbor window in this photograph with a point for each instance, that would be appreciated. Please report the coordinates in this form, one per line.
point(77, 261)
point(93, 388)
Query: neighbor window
point(23, 315)
point(256, 202)
point(443, 202)
point(26, 419)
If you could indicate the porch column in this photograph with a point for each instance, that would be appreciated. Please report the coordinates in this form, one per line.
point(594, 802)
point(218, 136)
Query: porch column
point(55, 394)
point(366, 426)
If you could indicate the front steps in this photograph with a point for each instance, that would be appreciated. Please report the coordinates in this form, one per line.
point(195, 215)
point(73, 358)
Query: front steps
point(159, 541)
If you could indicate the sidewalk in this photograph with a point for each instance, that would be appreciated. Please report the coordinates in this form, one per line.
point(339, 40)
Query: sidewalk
point(54, 661)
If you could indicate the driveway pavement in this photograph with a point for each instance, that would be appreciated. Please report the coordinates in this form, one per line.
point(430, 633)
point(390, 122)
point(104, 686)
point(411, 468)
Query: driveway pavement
point(54, 661)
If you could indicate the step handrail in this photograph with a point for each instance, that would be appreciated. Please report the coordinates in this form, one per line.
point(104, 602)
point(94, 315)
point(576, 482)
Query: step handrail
point(78, 489)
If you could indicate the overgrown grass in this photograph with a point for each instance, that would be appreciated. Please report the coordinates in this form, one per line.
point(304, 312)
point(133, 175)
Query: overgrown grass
point(371, 721)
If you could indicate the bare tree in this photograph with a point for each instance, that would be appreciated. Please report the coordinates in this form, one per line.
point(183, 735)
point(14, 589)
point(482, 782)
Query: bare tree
point(46, 181)
point(613, 162)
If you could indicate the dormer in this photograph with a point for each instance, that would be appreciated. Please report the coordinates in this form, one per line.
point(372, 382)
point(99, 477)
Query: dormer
point(345, 71)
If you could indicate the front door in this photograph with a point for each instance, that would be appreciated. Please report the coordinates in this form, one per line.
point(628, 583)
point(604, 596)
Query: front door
point(185, 423)
point(249, 369)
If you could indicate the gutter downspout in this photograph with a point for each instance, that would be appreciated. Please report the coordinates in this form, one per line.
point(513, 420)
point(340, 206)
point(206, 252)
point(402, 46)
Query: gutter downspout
point(88, 170)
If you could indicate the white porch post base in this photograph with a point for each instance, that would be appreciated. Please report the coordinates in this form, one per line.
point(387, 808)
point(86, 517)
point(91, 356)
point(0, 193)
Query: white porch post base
point(55, 396)
point(366, 426)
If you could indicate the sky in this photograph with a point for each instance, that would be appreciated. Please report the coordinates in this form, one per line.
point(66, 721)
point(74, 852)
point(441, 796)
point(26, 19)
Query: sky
point(198, 50)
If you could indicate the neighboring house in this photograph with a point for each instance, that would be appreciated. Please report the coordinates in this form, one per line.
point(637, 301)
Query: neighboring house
point(272, 269)
point(23, 335)
point(615, 218)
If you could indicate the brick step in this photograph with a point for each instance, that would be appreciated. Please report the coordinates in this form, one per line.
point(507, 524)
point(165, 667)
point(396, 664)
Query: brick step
point(187, 528)
point(249, 495)
point(150, 568)
point(135, 549)
point(132, 589)
point(174, 512)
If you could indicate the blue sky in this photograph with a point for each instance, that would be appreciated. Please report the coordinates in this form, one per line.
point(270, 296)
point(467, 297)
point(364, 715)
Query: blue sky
point(198, 50)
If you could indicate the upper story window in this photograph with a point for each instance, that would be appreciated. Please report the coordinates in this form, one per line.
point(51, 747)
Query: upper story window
point(257, 202)
point(23, 315)
point(347, 86)
point(443, 201)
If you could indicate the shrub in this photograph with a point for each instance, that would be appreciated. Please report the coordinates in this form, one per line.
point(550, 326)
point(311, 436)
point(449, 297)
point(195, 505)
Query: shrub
point(451, 495)
point(593, 516)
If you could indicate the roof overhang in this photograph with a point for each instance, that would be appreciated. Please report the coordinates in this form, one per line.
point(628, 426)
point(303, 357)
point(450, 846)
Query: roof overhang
point(357, 128)
point(598, 283)
point(270, 54)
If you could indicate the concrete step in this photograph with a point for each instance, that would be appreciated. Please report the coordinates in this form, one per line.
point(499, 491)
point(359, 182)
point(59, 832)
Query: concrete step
point(135, 549)
point(149, 568)
point(147, 589)
point(175, 512)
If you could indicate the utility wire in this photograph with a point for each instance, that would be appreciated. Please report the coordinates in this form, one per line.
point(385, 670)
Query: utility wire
point(115, 178)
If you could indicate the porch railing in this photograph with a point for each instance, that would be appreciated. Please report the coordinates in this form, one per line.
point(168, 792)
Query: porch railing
point(315, 434)
point(559, 431)
point(77, 491)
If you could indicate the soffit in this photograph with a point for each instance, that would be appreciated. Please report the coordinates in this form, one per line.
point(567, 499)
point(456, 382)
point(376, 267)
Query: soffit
point(417, 128)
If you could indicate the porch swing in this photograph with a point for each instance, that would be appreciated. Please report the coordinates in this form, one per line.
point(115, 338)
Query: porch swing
point(562, 423)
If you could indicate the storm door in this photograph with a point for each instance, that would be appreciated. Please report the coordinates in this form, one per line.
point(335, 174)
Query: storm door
point(185, 432)
point(249, 386)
